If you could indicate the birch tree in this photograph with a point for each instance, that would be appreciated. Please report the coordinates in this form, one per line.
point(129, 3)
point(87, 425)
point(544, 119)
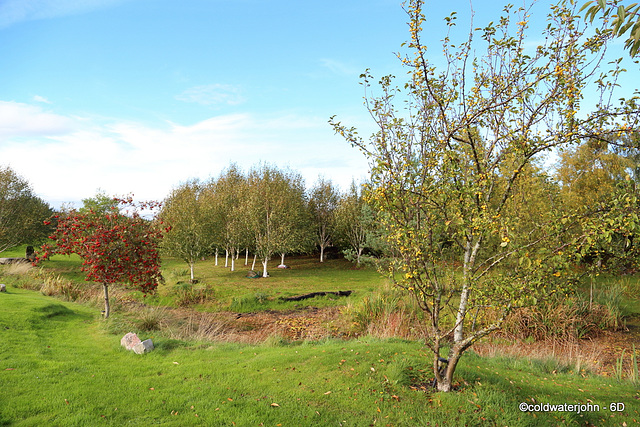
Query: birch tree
point(273, 212)
point(323, 202)
point(354, 222)
point(189, 238)
point(226, 199)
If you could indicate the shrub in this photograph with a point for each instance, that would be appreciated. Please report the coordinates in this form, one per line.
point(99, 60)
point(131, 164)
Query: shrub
point(388, 313)
point(249, 303)
point(57, 285)
point(152, 319)
point(188, 294)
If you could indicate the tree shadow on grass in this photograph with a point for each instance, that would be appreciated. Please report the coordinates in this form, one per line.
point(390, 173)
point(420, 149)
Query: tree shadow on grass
point(47, 314)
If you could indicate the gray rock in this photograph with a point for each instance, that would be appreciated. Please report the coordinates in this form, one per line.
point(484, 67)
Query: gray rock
point(129, 340)
point(143, 347)
point(3, 287)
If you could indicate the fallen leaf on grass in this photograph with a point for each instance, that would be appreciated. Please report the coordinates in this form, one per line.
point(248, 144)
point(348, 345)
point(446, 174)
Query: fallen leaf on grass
point(10, 369)
point(275, 405)
point(175, 363)
point(328, 392)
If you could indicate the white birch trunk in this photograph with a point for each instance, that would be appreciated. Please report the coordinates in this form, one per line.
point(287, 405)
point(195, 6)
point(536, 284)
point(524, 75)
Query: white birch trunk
point(282, 259)
point(246, 257)
point(226, 258)
point(253, 266)
point(264, 267)
point(216, 257)
point(233, 261)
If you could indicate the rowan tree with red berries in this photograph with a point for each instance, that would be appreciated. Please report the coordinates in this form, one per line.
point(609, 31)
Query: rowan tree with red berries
point(117, 246)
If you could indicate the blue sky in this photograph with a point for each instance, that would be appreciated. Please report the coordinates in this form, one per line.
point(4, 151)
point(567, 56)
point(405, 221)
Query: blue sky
point(136, 96)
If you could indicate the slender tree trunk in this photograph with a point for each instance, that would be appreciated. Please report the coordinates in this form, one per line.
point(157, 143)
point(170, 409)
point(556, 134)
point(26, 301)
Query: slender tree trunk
point(233, 260)
point(253, 266)
point(359, 255)
point(216, 257)
point(246, 257)
point(264, 267)
point(282, 259)
point(226, 258)
point(191, 265)
point(471, 252)
point(107, 308)
point(321, 253)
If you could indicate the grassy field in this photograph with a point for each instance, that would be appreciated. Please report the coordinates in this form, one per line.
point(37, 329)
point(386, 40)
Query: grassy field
point(229, 290)
point(59, 365)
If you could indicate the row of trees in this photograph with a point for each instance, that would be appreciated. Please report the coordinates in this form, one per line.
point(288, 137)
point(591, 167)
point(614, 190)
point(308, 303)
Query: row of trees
point(268, 212)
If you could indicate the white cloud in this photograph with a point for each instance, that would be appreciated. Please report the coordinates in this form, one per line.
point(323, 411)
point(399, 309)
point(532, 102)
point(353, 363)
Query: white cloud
point(42, 99)
point(213, 94)
point(148, 160)
point(18, 119)
point(339, 67)
point(15, 11)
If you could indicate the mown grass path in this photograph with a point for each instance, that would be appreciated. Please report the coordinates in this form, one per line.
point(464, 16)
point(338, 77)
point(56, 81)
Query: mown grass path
point(59, 366)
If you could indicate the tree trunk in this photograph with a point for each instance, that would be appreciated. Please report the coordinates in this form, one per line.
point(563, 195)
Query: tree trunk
point(264, 267)
point(216, 257)
point(282, 259)
point(107, 308)
point(253, 266)
point(191, 264)
point(321, 253)
point(246, 257)
point(226, 258)
point(469, 260)
point(233, 261)
point(454, 357)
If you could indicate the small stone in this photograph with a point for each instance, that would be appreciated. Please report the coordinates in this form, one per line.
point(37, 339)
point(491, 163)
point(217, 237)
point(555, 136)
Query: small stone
point(129, 341)
point(3, 287)
point(143, 347)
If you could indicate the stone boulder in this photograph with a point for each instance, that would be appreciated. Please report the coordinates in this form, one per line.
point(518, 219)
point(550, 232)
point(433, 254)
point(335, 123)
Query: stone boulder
point(143, 347)
point(3, 287)
point(129, 341)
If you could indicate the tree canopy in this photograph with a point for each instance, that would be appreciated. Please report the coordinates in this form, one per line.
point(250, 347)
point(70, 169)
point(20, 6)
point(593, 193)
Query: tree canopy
point(21, 212)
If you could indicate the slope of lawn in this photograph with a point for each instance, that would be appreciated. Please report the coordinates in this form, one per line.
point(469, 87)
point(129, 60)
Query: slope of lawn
point(60, 366)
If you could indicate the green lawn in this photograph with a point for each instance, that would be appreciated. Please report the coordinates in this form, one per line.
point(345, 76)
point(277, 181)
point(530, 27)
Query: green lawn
point(234, 291)
point(60, 366)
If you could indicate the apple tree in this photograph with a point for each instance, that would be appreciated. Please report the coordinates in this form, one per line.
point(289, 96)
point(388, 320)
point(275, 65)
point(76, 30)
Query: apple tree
point(455, 148)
